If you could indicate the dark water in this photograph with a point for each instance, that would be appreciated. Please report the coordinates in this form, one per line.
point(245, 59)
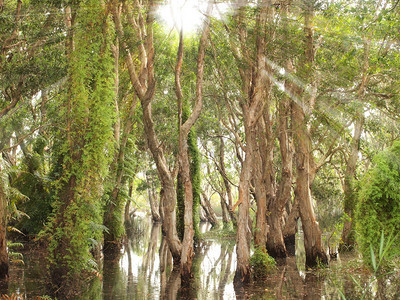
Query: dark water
point(144, 272)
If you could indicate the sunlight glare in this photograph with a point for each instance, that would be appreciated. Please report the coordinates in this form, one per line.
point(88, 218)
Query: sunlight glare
point(185, 14)
point(188, 14)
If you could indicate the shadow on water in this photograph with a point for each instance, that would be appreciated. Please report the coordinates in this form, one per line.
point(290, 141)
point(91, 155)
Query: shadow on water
point(145, 271)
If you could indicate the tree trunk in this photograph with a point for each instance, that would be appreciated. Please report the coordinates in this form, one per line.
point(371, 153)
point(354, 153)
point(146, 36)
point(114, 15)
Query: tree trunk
point(202, 214)
point(188, 237)
point(143, 81)
point(224, 209)
point(227, 185)
point(155, 211)
point(254, 80)
point(290, 229)
point(168, 192)
point(243, 235)
point(275, 243)
point(260, 191)
point(264, 178)
point(211, 216)
point(315, 252)
point(3, 230)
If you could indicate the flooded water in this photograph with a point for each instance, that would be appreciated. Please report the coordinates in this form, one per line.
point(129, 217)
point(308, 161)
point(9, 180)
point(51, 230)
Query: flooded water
point(144, 271)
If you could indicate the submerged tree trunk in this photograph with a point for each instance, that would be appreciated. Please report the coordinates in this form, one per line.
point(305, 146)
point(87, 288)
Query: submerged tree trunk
point(290, 229)
point(262, 186)
point(113, 216)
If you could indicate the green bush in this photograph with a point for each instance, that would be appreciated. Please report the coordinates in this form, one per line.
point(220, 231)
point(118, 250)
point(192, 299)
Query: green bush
point(261, 263)
point(378, 209)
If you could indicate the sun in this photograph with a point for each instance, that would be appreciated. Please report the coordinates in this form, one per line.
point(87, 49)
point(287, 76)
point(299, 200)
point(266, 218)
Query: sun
point(187, 15)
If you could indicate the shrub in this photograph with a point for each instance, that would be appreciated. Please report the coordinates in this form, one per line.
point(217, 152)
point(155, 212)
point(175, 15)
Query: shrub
point(261, 263)
point(378, 209)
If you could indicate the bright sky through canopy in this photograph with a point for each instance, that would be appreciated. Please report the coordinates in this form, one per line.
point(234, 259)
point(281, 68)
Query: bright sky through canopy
point(186, 14)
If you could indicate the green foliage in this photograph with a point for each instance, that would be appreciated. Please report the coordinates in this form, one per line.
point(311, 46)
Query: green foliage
point(261, 263)
point(15, 256)
point(378, 210)
point(86, 148)
point(327, 191)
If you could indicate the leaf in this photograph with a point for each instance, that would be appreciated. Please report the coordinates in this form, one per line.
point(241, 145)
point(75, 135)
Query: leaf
point(373, 260)
point(12, 228)
point(381, 246)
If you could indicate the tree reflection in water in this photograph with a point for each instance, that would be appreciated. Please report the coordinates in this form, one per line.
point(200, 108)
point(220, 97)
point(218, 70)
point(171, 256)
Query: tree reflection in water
point(145, 271)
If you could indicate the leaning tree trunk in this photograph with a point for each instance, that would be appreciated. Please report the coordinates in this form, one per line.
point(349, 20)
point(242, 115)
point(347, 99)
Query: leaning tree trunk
point(3, 226)
point(211, 216)
point(168, 192)
point(224, 208)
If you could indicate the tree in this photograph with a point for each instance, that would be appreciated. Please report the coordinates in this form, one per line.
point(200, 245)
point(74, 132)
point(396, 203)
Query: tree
point(83, 149)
